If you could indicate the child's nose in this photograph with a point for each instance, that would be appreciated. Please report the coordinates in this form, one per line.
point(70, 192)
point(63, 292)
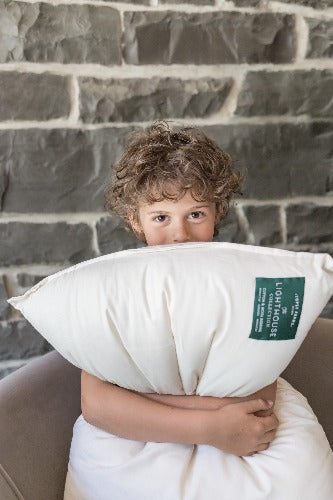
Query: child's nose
point(180, 234)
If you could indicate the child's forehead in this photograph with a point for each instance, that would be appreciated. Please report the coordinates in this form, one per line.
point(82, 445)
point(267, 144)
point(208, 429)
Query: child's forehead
point(186, 198)
point(170, 194)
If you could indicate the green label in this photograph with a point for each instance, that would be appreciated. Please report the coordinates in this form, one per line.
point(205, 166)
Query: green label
point(277, 308)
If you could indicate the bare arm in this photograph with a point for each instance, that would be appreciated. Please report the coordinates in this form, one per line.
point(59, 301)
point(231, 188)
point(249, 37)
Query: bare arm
point(213, 403)
point(231, 427)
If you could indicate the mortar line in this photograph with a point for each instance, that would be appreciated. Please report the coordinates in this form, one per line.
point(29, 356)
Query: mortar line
point(94, 243)
point(302, 35)
point(74, 93)
point(89, 218)
point(66, 124)
point(283, 224)
point(322, 200)
point(144, 71)
point(271, 7)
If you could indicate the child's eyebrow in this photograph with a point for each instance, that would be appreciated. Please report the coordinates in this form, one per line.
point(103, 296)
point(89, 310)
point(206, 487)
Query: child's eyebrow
point(166, 212)
point(158, 212)
point(199, 206)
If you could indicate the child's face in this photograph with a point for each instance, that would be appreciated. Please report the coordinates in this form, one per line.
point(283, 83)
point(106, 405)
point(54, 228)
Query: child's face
point(180, 221)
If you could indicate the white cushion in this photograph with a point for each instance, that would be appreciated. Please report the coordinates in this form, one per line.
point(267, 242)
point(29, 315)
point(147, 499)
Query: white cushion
point(298, 465)
point(206, 318)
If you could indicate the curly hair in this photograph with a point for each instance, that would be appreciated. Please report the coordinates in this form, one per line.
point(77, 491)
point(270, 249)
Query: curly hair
point(159, 163)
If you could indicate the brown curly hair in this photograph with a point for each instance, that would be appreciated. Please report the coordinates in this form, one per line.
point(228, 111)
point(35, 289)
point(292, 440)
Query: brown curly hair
point(159, 163)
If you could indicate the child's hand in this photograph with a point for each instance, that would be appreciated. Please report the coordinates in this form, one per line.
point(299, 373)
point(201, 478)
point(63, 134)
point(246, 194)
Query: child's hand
point(236, 429)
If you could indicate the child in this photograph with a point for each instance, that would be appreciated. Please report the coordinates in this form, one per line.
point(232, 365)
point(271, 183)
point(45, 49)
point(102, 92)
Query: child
point(175, 187)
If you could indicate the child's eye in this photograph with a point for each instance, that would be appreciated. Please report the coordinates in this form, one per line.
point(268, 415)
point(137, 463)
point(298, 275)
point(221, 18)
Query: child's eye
point(196, 215)
point(160, 218)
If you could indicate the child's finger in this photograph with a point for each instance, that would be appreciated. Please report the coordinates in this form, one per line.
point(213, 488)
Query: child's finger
point(259, 447)
point(262, 447)
point(268, 437)
point(270, 423)
point(255, 405)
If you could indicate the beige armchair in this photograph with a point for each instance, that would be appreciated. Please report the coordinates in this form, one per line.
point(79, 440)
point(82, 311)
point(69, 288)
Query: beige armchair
point(40, 402)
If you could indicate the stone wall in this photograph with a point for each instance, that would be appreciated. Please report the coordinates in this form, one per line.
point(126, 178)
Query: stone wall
point(76, 77)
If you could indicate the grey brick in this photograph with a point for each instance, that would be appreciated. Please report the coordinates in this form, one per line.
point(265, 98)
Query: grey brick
point(193, 2)
point(308, 223)
point(264, 224)
point(43, 32)
point(16, 19)
point(4, 306)
point(320, 38)
point(315, 4)
point(29, 96)
point(150, 99)
point(229, 229)
point(32, 243)
point(309, 92)
point(3, 182)
point(57, 170)
point(246, 3)
point(136, 2)
point(112, 236)
point(5, 145)
point(279, 160)
point(19, 340)
point(208, 38)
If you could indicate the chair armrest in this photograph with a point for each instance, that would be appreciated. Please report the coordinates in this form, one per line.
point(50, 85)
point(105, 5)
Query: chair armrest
point(39, 404)
point(311, 372)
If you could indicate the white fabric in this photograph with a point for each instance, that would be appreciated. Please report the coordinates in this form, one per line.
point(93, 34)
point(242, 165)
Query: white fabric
point(177, 319)
point(297, 466)
point(195, 318)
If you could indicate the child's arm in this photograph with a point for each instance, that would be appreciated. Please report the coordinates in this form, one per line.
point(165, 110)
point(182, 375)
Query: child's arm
point(233, 427)
point(213, 403)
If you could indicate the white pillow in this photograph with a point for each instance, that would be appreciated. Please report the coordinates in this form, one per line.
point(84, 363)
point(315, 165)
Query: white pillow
point(207, 318)
point(104, 466)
